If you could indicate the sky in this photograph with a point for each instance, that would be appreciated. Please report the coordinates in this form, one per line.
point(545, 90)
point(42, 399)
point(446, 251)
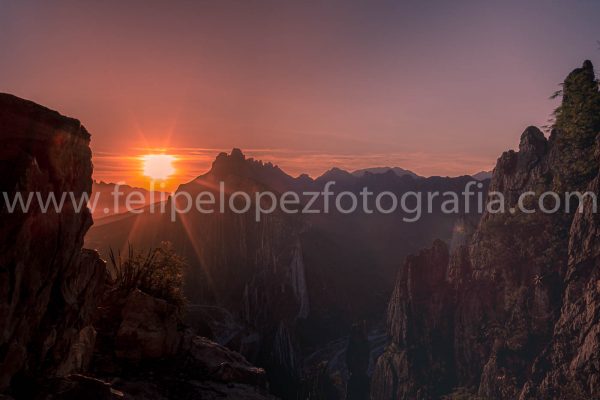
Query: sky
point(438, 87)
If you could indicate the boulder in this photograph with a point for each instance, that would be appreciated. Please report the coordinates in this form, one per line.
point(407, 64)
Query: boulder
point(149, 328)
point(223, 365)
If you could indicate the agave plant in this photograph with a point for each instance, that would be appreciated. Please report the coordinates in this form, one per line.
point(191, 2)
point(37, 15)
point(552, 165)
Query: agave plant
point(159, 273)
point(129, 273)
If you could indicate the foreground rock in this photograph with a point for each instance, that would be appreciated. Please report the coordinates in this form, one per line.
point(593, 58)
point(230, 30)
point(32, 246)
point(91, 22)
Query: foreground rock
point(48, 285)
point(145, 350)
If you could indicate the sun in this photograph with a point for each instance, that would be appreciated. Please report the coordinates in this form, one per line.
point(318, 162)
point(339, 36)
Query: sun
point(158, 166)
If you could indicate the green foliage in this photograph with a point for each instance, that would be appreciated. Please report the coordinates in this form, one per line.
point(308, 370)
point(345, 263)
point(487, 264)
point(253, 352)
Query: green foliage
point(158, 273)
point(577, 122)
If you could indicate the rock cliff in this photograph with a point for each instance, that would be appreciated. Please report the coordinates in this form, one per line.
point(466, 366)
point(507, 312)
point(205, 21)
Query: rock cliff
point(513, 312)
point(59, 339)
point(48, 284)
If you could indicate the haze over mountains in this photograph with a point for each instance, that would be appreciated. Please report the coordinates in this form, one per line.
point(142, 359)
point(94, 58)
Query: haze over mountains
point(108, 203)
point(294, 283)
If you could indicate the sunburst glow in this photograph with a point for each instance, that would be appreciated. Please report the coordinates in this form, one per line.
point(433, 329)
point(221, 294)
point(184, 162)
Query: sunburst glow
point(158, 166)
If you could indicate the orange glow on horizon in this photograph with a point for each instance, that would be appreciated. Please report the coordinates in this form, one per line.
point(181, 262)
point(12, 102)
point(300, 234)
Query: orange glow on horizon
point(185, 164)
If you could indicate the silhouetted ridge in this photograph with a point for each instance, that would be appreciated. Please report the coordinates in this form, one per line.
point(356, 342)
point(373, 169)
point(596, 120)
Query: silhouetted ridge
point(482, 175)
point(236, 164)
point(336, 174)
point(382, 170)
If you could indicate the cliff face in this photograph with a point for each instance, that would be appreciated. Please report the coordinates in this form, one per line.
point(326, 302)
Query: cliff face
point(514, 312)
point(48, 285)
point(573, 356)
point(51, 323)
point(254, 270)
point(418, 361)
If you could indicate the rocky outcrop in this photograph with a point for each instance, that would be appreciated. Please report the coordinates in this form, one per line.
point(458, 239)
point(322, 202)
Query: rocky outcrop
point(574, 353)
point(59, 313)
point(513, 312)
point(418, 362)
point(48, 285)
point(148, 328)
point(147, 352)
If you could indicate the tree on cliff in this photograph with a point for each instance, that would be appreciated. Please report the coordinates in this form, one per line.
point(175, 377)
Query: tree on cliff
point(577, 123)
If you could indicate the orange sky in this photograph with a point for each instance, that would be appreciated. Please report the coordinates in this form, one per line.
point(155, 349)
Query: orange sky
point(192, 162)
point(441, 88)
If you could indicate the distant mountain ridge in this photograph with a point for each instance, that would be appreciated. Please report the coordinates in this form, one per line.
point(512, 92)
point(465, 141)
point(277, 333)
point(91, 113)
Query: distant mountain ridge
point(105, 205)
point(382, 170)
point(482, 175)
point(237, 164)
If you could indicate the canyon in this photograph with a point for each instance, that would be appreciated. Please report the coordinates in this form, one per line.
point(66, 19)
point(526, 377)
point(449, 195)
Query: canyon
point(324, 306)
point(286, 291)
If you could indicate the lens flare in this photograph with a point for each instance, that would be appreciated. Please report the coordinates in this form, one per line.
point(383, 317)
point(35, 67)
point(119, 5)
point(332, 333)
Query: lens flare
point(158, 166)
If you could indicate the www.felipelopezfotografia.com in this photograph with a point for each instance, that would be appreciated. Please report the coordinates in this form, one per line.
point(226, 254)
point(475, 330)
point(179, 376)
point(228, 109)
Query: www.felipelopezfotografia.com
point(411, 204)
point(299, 200)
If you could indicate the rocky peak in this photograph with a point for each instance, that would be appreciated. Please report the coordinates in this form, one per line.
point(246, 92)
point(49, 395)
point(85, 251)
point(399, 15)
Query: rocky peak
point(229, 163)
point(236, 165)
point(526, 169)
point(237, 154)
point(575, 129)
point(587, 66)
point(336, 174)
point(33, 135)
point(580, 83)
point(578, 116)
point(533, 141)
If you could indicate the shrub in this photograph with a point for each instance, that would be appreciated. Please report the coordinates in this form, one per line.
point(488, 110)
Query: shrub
point(577, 123)
point(159, 273)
